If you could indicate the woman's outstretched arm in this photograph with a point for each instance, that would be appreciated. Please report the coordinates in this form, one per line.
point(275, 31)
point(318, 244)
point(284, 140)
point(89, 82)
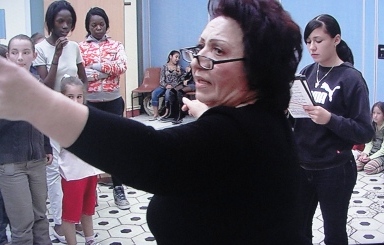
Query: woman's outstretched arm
point(23, 97)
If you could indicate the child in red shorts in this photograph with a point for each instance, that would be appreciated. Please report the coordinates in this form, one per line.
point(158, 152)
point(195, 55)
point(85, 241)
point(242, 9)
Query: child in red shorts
point(79, 180)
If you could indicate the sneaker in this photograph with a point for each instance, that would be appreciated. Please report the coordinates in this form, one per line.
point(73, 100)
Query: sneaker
point(58, 237)
point(175, 122)
point(81, 233)
point(79, 229)
point(120, 199)
point(92, 242)
point(165, 119)
point(154, 119)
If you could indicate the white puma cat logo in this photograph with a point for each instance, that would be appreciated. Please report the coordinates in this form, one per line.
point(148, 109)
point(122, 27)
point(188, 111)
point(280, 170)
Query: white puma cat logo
point(330, 91)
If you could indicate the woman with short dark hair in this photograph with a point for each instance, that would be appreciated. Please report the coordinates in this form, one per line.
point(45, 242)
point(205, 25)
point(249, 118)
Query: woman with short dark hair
point(229, 189)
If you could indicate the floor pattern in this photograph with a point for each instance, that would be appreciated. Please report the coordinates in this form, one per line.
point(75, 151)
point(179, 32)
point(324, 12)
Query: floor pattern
point(366, 212)
point(125, 227)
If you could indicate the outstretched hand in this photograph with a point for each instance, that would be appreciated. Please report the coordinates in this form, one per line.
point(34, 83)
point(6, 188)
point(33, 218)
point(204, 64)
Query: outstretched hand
point(195, 108)
point(23, 97)
point(16, 85)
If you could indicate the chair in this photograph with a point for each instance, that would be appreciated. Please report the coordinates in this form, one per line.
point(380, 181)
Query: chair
point(150, 82)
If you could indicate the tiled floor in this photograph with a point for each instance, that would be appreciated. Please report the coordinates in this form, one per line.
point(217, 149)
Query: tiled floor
point(366, 212)
point(125, 227)
point(115, 226)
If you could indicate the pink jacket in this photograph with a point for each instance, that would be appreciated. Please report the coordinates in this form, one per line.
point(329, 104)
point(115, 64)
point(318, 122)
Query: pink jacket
point(103, 56)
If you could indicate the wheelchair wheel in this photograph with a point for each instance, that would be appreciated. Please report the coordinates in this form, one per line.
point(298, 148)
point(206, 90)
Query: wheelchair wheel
point(147, 104)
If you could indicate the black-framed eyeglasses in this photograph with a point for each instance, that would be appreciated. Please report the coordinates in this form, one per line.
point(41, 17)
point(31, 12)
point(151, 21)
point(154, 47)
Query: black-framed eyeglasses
point(204, 62)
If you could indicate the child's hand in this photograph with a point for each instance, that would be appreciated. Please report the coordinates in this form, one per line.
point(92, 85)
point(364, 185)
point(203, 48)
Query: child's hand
point(363, 158)
point(59, 45)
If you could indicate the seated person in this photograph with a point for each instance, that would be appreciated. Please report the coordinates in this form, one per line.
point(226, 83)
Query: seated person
point(175, 114)
point(188, 85)
point(371, 160)
point(170, 75)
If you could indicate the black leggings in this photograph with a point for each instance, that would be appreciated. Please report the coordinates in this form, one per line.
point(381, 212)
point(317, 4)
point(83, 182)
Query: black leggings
point(116, 107)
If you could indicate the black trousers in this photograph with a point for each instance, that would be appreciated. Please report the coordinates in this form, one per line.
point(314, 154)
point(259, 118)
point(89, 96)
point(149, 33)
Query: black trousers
point(116, 107)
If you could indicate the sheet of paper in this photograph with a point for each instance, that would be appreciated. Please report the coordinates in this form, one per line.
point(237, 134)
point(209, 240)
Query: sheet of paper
point(300, 95)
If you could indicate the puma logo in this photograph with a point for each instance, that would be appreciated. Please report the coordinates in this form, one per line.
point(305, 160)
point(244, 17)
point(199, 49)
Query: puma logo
point(330, 91)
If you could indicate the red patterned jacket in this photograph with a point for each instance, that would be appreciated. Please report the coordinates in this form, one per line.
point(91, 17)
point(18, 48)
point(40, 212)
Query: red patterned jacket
point(103, 58)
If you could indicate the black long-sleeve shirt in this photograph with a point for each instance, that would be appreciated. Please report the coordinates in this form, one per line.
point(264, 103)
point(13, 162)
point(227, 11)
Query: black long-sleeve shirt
point(218, 180)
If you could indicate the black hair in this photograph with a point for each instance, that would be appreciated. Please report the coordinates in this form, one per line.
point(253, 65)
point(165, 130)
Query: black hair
point(36, 36)
point(54, 8)
point(3, 50)
point(332, 27)
point(96, 11)
point(173, 52)
point(22, 37)
point(272, 46)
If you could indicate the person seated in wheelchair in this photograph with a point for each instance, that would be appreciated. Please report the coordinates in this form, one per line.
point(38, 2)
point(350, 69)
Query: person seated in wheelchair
point(170, 75)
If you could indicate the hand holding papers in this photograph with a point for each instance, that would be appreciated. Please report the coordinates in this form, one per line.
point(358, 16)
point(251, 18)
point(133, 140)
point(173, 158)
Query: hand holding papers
point(300, 95)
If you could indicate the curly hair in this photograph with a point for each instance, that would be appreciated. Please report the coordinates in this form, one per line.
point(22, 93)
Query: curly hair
point(272, 46)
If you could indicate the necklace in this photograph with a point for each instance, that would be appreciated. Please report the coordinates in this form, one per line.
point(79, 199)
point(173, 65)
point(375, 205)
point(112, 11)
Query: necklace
point(317, 75)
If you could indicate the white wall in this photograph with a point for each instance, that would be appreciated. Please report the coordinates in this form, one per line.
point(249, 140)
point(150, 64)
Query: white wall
point(17, 18)
point(130, 28)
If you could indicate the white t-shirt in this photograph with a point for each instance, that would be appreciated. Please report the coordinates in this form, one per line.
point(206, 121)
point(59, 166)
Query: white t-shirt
point(73, 168)
point(68, 60)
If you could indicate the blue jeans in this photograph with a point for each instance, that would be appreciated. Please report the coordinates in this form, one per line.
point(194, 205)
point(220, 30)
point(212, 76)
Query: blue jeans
point(159, 91)
point(3, 222)
point(332, 188)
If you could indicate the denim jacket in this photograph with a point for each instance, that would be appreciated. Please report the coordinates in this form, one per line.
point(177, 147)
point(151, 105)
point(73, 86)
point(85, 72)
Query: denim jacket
point(21, 142)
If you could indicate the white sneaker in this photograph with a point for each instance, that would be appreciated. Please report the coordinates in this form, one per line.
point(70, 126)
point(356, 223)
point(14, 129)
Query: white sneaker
point(58, 237)
point(120, 199)
point(92, 242)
